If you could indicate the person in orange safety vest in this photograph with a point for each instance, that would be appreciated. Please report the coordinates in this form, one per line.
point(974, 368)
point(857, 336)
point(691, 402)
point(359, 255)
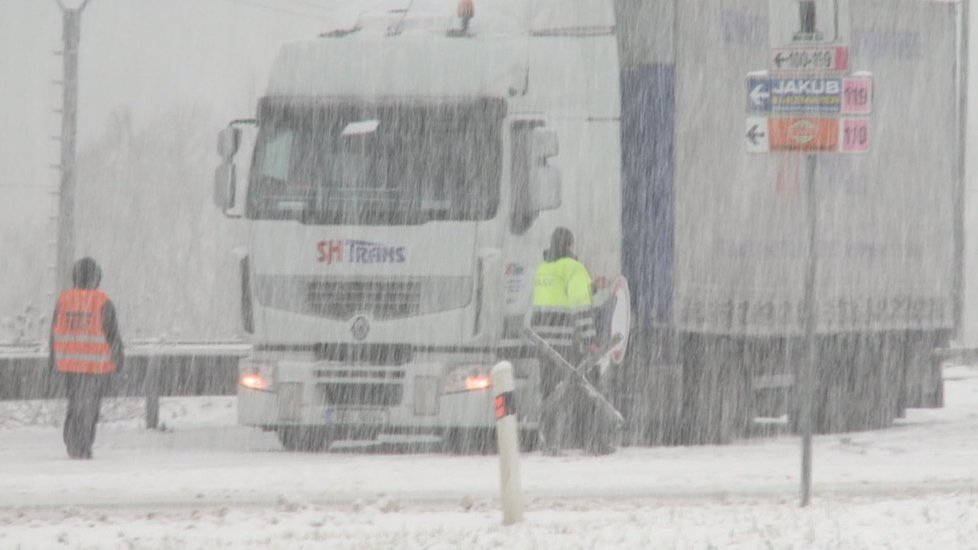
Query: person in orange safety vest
point(86, 349)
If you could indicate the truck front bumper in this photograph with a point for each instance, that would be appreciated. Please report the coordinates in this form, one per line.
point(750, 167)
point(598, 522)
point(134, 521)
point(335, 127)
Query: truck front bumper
point(422, 396)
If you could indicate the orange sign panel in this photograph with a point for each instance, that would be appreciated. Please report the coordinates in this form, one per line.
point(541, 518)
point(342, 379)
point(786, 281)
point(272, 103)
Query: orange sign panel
point(803, 134)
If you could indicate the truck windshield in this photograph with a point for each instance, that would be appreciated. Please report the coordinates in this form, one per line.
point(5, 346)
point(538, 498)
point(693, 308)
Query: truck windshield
point(376, 164)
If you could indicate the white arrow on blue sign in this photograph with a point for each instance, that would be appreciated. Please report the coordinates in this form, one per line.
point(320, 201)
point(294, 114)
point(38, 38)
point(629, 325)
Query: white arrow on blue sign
point(794, 95)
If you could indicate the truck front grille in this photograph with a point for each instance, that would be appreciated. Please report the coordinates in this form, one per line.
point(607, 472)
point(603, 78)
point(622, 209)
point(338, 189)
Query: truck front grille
point(375, 395)
point(342, 300)
point(365, 354)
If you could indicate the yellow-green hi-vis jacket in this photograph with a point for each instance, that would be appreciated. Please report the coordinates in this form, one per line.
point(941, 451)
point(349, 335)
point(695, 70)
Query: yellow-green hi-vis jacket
point(562, 313)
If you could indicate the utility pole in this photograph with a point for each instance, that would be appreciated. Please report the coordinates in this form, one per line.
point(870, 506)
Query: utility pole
point(71, 34)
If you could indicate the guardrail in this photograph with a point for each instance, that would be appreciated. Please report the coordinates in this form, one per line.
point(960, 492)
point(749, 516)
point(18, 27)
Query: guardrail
point(155, 370)
point(152, 370)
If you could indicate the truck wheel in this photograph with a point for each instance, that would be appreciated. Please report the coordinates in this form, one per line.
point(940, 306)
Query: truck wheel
point(529, 440)
point(923, 380)
point(858, 380)
point(716, 390)
point(878, 384)
point(648, 391)
point(305, 439)
point(469, 441)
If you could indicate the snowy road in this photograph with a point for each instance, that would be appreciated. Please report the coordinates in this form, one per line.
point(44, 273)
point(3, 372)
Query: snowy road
point(206, 483)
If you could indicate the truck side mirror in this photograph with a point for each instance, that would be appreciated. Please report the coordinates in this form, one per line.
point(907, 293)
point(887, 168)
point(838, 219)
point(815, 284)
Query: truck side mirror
point(545, 181)
point(225, 185)
point(228, 142)
point(543, 145)
point(545, 188)
point(226, 175)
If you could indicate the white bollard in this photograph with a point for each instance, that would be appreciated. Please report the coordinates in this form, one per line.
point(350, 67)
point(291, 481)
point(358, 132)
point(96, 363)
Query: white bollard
point(507, 441)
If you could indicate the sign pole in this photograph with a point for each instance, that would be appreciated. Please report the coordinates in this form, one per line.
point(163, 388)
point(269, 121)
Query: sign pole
point(806, 385)
point(808, 102)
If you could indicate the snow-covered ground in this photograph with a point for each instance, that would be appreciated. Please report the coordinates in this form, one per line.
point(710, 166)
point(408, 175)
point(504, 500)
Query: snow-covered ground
point(206, 483)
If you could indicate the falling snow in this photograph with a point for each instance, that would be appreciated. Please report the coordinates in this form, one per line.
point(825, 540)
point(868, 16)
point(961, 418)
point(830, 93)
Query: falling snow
point(368, 230)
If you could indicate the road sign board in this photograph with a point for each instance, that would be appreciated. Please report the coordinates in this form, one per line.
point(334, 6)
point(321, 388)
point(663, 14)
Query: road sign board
point(855, 136)
point(794, 95)
point(756, 135)
point(827, 96)
point(857, 94)
point(808, 134)
point(811, 60)
point(758, 94)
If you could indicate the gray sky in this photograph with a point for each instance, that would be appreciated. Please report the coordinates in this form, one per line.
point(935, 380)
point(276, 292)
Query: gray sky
point(145, 56)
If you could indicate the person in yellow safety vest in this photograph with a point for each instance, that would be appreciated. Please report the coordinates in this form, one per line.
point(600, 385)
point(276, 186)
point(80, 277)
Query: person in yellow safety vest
point(562, 299)
point(563, 317)
point(86, 349)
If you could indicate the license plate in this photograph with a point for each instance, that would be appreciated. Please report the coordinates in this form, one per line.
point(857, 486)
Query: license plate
point(356, 416)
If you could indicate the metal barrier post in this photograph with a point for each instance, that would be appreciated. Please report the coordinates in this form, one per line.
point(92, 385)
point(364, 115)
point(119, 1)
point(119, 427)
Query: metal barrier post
point(152, 384)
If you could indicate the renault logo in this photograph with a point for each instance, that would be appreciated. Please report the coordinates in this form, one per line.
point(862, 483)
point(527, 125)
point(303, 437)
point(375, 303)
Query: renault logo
point(360, 328)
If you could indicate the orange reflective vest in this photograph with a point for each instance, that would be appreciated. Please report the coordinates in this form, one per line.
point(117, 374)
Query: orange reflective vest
point(80, 345)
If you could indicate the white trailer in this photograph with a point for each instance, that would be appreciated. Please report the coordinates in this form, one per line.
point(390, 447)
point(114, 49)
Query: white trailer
point(719, 271)
point(408, 173)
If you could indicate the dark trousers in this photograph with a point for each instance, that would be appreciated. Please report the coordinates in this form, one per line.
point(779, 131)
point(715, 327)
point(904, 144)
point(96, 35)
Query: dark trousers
point(561, 422)
point(85, 393)
point(571, 419)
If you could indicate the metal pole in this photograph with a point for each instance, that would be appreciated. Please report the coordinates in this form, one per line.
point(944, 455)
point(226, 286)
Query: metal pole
point(154, 373)
point(960, 189)
point(806, 385)
point(71, 35)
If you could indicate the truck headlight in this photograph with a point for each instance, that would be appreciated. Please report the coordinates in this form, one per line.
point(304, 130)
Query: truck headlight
point(255, 375)
point(463, 378)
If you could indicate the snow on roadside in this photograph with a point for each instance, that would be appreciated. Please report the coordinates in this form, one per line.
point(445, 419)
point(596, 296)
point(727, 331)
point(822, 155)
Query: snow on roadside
point(124, 411)
point(204, 483)
point(938, 521)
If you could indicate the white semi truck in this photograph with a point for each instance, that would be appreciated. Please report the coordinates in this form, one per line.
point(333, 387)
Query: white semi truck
point(410, 166)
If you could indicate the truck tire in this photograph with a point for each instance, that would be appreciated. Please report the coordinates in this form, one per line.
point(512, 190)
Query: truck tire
point(716, 392)
point(647, 389)
point(469, 441)
point(529, 441)
point(305, 439)
point(856, 383)
point(482, 441)
point(923, 380)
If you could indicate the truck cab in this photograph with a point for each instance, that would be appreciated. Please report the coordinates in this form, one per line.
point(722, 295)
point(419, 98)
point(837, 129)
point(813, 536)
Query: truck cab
point(407, 173)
